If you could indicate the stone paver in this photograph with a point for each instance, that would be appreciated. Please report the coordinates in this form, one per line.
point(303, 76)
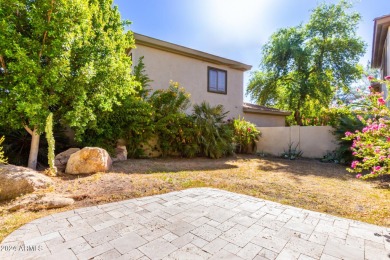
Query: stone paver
point(199, 223)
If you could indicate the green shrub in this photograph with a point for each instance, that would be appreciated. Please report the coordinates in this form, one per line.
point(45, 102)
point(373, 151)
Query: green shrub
point(3, 159)
point(172, 126)
point(131, 120)
point(245, 136)
point(347, 123)
point(142, 78)
point(213, 136)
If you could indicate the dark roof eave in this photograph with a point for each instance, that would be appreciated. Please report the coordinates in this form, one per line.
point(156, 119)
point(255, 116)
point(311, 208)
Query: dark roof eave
point(188, 52)
point(265, 112)
point(381, 25)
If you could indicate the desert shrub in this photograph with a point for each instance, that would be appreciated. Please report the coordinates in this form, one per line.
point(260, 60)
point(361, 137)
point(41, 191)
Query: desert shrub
point(172, 126)
point(292, 152)
point(213, 136)
point(245, 135)
point(3, 159)
point(371, 145)
point(51, 144)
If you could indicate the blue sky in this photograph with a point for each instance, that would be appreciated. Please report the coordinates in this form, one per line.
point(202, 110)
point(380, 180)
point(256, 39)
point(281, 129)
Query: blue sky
point(234, 29)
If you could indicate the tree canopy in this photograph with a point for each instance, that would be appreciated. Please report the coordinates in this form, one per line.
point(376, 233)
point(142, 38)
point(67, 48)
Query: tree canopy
point(303, 66)
point(64, 57)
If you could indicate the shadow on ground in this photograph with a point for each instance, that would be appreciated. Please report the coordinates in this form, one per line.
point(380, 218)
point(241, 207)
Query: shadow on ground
point(305, 167)
point(158, 165)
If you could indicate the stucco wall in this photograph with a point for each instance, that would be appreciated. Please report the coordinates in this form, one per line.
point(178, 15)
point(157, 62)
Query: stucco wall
point(262, 120)
point(313, 141)
point(162, 66)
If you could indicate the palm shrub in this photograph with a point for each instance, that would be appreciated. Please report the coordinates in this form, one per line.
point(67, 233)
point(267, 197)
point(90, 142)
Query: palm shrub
point(3, 159)
point(214, 137)
point(245, 135)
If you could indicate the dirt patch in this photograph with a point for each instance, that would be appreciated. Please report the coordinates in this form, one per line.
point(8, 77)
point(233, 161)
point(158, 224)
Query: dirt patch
point(308, 184)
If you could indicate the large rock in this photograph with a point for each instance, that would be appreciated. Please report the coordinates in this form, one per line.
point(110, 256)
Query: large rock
point(89, 160)
point(121, 153)
point(61, 159)
point(16, 180)
point(53, 201)
point(43, 201)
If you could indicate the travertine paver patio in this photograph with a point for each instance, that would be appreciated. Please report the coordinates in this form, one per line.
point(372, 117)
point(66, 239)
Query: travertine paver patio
point(196, 224)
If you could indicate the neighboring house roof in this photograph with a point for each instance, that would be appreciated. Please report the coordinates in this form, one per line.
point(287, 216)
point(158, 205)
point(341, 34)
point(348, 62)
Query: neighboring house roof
point(252, 108)
point(177, 49)
point(381, 26)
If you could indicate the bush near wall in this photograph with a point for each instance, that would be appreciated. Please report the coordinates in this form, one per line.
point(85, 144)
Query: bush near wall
point(159, 125)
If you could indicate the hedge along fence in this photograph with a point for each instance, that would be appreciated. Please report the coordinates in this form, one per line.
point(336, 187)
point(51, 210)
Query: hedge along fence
point(313, 141)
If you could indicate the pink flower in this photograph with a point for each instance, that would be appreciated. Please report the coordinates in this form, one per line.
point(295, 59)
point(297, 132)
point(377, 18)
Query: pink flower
point(387, 78)
point(354, 164)
point(358, 176)
point(249, 130)
point(348, 133)
point(360, 117)
point(381, 158)
point(370, 87)
point(376, 168)
point(354, 153)
point(370, 78)
point(381, 101)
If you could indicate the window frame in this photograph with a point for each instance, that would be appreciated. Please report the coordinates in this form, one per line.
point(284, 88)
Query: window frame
point(208, 80)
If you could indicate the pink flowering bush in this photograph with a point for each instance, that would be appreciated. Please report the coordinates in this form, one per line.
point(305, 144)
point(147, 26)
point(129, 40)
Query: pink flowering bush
point(371, 145)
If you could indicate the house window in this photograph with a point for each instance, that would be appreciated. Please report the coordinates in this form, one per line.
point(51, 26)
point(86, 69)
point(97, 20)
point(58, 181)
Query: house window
point(217, 80)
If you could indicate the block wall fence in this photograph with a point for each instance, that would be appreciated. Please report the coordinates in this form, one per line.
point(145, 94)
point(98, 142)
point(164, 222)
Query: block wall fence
point(313, 141)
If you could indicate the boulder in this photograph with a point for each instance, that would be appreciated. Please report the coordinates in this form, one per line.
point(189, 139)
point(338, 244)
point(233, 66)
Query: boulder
point(89, 160)
point(121, 153)
point(61, 159)
point(39, 202)
point(16, 180)
point(53, 201)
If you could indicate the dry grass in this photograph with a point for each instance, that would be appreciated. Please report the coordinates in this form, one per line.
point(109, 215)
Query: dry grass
point(307, 184)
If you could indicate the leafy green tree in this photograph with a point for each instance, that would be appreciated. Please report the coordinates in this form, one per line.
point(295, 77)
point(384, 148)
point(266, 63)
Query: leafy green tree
point(302, 66)
point(64, 57)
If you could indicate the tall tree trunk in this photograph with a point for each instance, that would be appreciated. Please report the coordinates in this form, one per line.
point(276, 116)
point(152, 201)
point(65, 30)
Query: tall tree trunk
point(33, 157)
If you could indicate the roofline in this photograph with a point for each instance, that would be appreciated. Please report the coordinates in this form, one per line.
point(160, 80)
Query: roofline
point(188, 52)
point(264, 112)
point(381, 26)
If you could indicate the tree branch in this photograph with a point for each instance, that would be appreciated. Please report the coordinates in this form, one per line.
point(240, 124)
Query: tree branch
point(28, 129)
point(2, 64)
point(45, 33)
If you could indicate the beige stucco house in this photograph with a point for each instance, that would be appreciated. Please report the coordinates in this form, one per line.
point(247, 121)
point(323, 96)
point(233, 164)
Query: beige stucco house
point(381, 48)
point(205, 76)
